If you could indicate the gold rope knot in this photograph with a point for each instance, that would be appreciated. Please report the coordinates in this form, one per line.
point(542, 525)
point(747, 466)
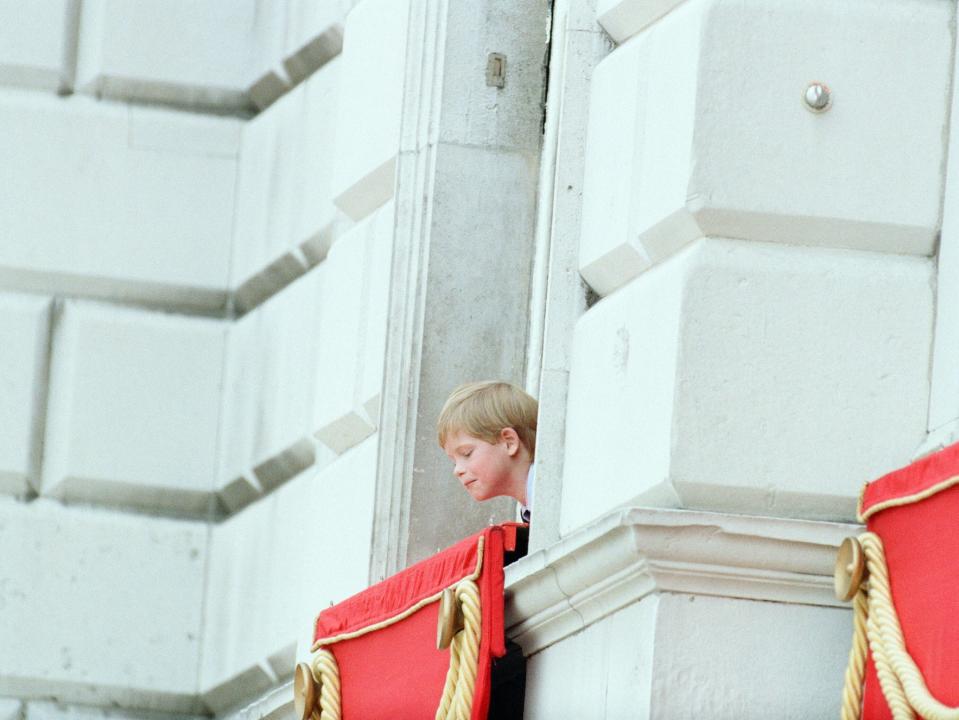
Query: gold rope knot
point(457, 699)
point(876, 626)
point(327, 674)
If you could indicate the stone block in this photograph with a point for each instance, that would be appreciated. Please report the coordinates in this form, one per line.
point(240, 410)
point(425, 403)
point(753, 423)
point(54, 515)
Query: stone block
point(369, 107)
point(350, 354)
point(266, 48)
point(291, 541)
point(321, 511)
point(624, 18)
point(197, 55)
point(283, 191)
point(24, 339)
point(615, 655)
point(291, 42)
point(238, 596)
point(478, 113)
point(262, 257)
point(10, 709)
point(267, 89)
point(749, 377)
point(100, 608)
point(43, 710)
point(166, 132)
point(680, 147)
point(112, 201)
point(236, 484)
point(134, 408)
point(36, 41)
point(710, 651)
point(314, 212)
point(376, 304)
point(314, 35)
point(269, 384)
point(686, 656)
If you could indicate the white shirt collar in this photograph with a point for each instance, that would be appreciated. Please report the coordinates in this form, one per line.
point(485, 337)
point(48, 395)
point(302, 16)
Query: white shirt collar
point(527, 509)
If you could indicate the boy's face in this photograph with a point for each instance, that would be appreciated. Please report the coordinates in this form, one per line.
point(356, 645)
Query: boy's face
point(482, 467)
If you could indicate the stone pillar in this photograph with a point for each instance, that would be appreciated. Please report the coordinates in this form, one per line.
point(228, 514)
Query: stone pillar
point(466, 185)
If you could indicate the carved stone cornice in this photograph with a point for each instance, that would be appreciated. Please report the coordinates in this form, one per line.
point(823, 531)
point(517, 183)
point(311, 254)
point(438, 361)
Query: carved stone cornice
point(633, 553)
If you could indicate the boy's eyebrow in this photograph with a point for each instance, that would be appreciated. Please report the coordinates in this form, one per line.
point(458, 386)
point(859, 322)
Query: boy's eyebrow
point(452, 450)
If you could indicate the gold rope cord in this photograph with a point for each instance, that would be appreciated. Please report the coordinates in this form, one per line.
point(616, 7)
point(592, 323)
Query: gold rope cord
point(875, 621)
point(856, 670)
point(457, 699)
point(327, 674)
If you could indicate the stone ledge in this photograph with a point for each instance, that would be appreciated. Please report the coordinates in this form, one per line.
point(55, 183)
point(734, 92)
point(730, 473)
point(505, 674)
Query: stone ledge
point(635, 552)
point(275, 704)
point(632, 553)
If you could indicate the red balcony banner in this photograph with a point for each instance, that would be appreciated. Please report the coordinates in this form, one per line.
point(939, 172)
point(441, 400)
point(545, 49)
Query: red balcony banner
point(382, 643)
point(915, 513)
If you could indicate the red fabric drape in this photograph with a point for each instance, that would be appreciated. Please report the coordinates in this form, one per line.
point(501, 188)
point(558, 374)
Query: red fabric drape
point(397, 672)
point(921, 541)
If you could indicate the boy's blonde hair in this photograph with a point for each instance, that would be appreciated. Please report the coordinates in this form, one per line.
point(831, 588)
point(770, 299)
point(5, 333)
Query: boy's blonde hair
point(483, 409)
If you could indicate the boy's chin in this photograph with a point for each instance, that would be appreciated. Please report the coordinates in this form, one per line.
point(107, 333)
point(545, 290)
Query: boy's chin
point(479, 494)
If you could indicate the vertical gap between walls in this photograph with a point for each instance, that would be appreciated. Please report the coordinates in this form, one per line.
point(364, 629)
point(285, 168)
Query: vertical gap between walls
point(936, 370)
point(543, 229)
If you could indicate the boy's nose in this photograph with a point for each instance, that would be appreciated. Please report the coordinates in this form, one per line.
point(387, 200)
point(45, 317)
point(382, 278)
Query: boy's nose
point(458, 470)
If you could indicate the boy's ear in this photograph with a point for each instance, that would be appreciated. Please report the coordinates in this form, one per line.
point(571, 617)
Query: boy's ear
point(509, 437)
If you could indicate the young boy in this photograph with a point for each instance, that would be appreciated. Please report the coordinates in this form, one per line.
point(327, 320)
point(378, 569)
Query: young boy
point(488, 430)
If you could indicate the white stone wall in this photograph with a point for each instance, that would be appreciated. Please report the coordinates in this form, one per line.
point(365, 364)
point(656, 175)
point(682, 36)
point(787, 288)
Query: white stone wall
point(716, 146)
point(768, 274)
point(115, 200)
point(724, 379)
point(770, 326)
point(273, 566)
point(101, 608)
point(192, 343)
point(684, 656)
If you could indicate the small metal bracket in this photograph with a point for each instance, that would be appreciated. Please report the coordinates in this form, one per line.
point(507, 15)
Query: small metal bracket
point(449, 620)
point(850, 569)
point(304, 691)
point(496, 70)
